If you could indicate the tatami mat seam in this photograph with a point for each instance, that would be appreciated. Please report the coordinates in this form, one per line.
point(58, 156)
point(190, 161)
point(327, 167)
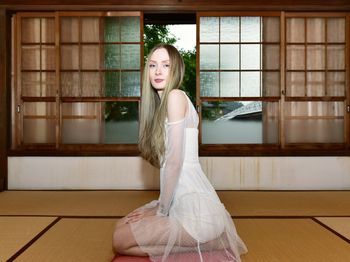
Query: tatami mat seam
point(331, 230)
point(31, 242)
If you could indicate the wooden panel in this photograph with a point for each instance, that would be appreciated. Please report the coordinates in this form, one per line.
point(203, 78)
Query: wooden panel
point(170, 5)
point(4, 98)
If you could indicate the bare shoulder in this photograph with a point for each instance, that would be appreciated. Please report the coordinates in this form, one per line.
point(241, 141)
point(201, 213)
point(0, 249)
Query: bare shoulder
point(177, 105)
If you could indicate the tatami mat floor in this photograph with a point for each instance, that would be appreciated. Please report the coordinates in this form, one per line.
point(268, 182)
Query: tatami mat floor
point(78, 225)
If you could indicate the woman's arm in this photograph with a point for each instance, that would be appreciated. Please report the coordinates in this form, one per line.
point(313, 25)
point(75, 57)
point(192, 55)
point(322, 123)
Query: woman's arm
point(174, 155)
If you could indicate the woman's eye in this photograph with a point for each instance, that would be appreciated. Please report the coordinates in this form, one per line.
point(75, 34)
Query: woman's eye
point(166, 65)
point(152, 65)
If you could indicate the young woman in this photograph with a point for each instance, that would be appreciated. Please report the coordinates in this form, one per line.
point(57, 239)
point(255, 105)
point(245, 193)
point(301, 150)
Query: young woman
point(188, 222)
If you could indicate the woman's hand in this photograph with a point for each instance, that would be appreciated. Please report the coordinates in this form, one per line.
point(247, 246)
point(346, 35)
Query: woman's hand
point(137, 215)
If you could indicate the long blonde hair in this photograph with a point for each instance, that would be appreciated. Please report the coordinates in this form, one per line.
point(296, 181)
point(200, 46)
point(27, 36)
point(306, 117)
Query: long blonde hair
point(154, 108)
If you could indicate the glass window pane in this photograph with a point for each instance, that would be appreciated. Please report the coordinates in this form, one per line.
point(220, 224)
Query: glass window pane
point(315, 84)
point(48, 57)
point(48, 84)
point(69, 57)
point(240, 122)
point(38, 84)
point(271, 29)
point(229, 29)
point(112, 57)
point(30, 31)
point(336, 57)
point(39, 122)
point(314, 122)
point(69, 29)
point(336, 83)
point(250, 56)
point(336, 30)
point(31, 84)
point(121, 122)
point(112, 29)
point(250, 29)
point(112, 83)
point(315, 30)
point(229, 84)
point(229, 57)
point(47, 30)
point(209, 29)
point(271, 57)
point(315, 57)
point(130, 84)
point(130, 29)
point(209, 84)
point(295, 57)
point(90, 56)
point(90, 29)
point(91, 84)
point(250, 84)
point(271, 84)
point(295, 84)
point(30, 57)
point(130, 57)
point(209, 57)
point(295, 30)
point(77, 118)
point(70, 84)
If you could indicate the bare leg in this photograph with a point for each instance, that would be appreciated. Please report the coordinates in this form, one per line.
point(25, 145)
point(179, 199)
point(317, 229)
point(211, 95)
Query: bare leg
point(124, 242)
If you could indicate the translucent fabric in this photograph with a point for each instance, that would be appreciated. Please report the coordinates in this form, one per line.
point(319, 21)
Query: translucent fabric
point(191, 222)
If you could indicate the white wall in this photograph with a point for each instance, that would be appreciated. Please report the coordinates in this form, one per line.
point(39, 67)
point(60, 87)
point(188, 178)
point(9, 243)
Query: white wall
point(246, 173)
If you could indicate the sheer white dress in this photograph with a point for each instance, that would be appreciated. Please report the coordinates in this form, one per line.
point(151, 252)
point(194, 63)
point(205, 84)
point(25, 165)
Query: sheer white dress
point(191, 222)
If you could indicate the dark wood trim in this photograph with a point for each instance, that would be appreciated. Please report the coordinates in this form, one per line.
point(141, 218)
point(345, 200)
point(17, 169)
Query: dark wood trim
point(179, 5)
point(5, 99)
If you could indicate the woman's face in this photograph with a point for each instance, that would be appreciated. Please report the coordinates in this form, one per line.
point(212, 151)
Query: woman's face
point(159, 68)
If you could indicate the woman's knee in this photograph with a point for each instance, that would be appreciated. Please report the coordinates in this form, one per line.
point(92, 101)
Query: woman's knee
point(122, 239)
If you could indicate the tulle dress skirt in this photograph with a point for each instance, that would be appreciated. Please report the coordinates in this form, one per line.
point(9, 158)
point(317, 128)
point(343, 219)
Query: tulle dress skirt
point(198, 227)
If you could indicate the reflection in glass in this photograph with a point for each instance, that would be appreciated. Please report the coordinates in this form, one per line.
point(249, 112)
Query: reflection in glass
point(270, 84)
point(69, 57)
point(271, 57)
point(90, 29)
point(295, 32)
point(30, 57)
point(90, 57)
point(315, 57)
point(295, 84)
point(336, 83)
point(39, 122)
point(239, 122)
point(77, 119)
point(271, 29)
point(336, 57)
point(315, 30)
point(295, 57)
point(209, 58)
point(314, 122)
point(209, 82)
point(121, 122)
point(69, 29)
point(90, 84)
point(336, 30)
point(209, 29)
point(315, 84)
point(30, 31)
point(70, 84)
